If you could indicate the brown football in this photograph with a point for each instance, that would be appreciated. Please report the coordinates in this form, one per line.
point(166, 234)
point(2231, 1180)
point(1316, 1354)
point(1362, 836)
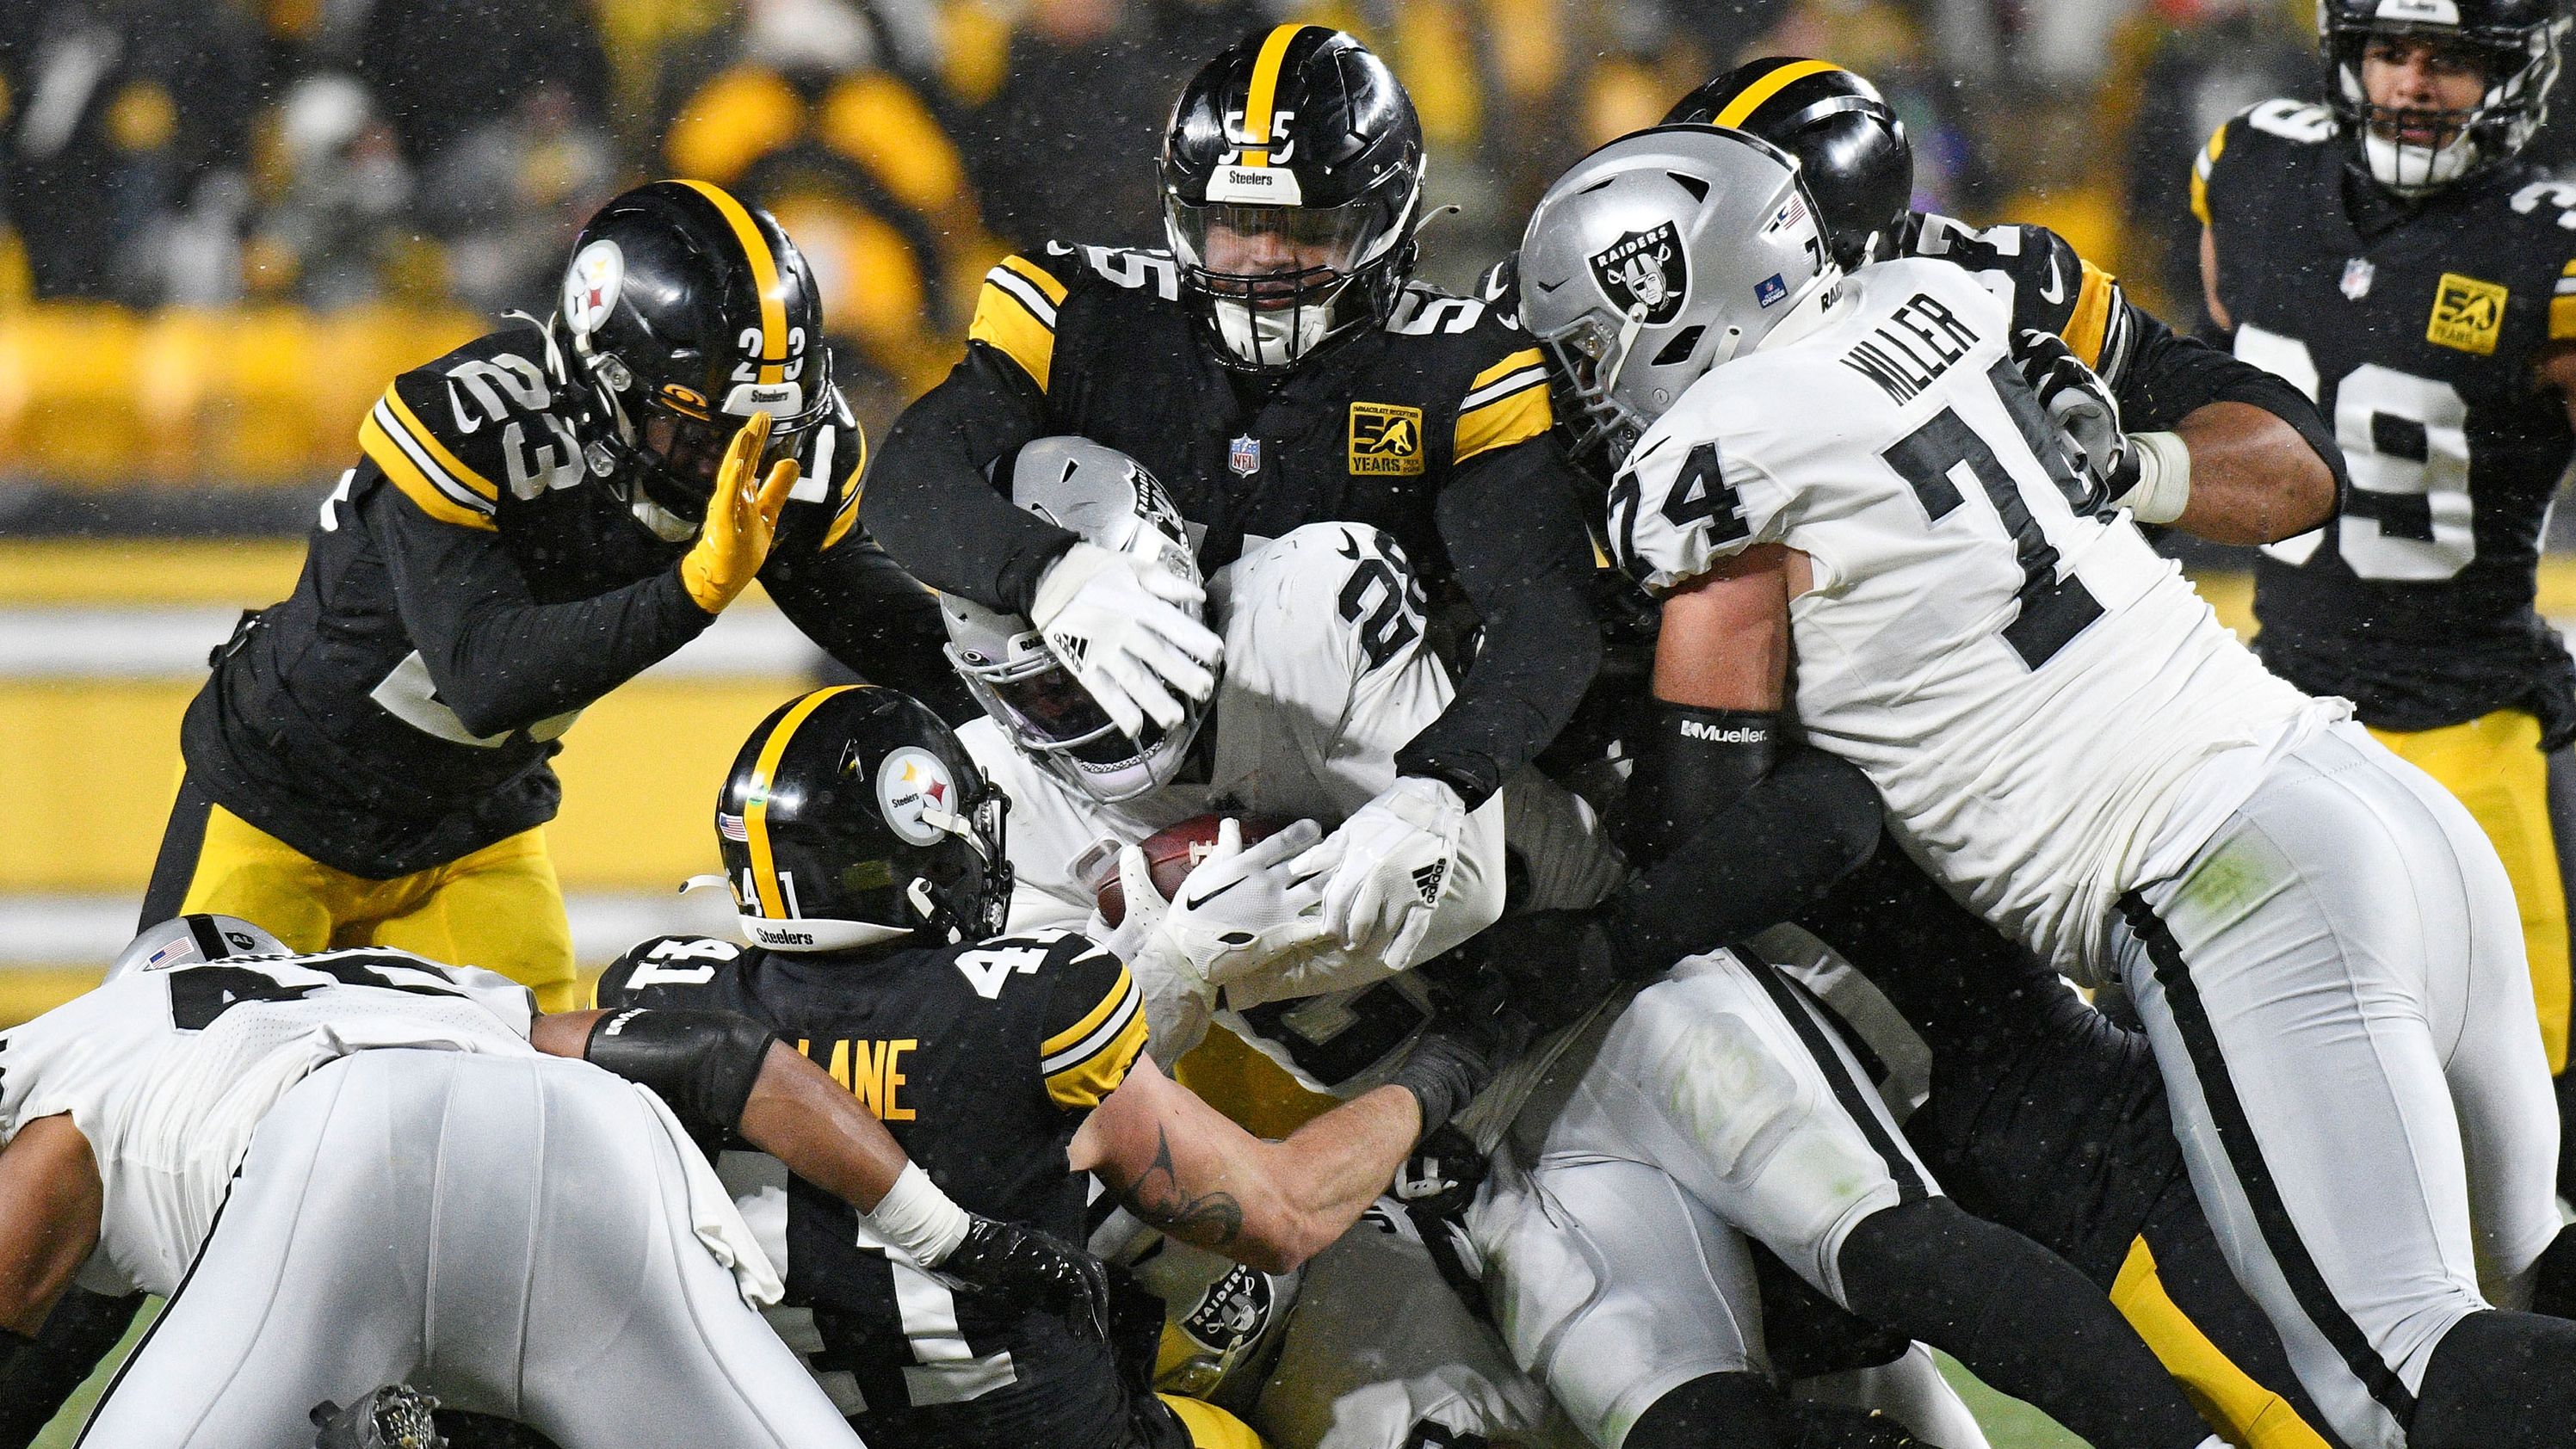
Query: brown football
point(1172, 852)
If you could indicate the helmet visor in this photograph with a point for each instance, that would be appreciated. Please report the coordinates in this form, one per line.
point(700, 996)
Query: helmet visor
point(1269, 255)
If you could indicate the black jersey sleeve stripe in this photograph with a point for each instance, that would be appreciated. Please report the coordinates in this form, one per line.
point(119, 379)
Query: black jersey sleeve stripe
point(2208, 1063)
point(1086, 1061)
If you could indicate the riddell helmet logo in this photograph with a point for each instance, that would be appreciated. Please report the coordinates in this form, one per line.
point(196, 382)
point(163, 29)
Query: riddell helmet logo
point(1644, 275)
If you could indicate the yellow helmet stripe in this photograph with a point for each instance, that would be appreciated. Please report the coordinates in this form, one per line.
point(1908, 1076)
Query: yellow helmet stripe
point(1261, 100)
point(1745, 105)
point(764, 279)
point(755, 811)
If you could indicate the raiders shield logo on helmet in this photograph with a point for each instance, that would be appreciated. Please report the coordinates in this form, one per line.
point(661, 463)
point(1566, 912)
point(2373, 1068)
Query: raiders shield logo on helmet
point(1644, 275)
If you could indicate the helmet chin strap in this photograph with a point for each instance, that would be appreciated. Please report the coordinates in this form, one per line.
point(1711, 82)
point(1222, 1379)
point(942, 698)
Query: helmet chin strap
point(664, 524)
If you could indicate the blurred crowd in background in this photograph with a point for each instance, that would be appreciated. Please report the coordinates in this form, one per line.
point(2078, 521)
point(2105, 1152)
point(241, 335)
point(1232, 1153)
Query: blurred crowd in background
point(225, 223)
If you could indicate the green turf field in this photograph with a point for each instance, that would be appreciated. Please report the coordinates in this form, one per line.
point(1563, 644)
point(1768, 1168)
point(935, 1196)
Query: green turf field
point(2010, 1423)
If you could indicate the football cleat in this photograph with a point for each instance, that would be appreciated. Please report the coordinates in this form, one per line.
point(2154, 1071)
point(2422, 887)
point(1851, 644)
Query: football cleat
point(393, 1417)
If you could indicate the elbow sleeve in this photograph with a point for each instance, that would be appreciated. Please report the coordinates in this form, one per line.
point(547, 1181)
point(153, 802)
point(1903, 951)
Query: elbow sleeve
point(703, 1063)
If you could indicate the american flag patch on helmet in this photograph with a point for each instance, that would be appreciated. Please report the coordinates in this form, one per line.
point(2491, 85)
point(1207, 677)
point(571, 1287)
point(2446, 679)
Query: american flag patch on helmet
point(731, 827)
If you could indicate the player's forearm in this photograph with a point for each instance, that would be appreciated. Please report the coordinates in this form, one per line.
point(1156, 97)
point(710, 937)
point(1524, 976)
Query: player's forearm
point(1524, 561)
point(1326, 1174)
point(501, 660)
point(2254, 480)
point(866, 612)
point(799, 1115)
point(51, 1199)
point(930, 497)
point(1763, 858)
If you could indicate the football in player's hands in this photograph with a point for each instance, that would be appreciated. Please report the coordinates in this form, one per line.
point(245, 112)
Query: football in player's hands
point(1174, 851)
point(1034, 1269)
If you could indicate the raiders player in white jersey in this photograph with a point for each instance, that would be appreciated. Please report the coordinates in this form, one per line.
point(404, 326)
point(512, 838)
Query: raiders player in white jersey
point(1853, 474)
point(1327, 674)
point(359, 1167)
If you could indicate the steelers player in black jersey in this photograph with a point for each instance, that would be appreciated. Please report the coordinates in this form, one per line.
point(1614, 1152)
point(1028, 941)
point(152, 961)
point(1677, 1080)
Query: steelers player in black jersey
point(1277, 367)
point(533, 519)
point(2393, 253)
point(866, 854)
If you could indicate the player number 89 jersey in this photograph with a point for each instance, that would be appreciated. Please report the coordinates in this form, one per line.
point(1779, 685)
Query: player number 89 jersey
point(2027, 685)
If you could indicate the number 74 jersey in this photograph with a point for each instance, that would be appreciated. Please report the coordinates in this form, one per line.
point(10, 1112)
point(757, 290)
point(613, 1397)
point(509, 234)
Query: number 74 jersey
point(2029, 686)
point(2416, 329)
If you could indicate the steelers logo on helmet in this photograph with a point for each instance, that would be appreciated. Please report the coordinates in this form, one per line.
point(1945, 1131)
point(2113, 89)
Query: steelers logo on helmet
point(591, 285)
point(911, 785)
point(1644, 274)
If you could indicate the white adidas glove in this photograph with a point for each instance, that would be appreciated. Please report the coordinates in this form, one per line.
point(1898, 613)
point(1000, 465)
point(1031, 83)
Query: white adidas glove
point(1241, 909)
point(1119, 623)
point(1388, 861)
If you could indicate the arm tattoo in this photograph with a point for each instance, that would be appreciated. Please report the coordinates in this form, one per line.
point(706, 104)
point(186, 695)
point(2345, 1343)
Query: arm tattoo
point(1214, 1219)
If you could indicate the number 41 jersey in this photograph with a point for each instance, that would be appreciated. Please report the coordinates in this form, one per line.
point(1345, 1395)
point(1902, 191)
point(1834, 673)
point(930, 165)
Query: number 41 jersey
point(2415, 329)
point(2029, 686)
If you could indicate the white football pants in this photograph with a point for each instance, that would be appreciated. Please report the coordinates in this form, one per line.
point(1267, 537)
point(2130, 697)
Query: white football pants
point(1719, 1105)
point(2336, 993)
point(509, 1233)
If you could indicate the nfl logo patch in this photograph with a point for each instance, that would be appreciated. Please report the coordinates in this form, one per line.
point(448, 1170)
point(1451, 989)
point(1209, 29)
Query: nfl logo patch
point(1244, 456)
point(1770, 290)
point(2357, 276)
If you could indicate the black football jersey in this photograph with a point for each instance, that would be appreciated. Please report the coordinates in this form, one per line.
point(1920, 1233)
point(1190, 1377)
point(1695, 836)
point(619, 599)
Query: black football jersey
point(2046, 283)
point(2416, 329)
point(1364, 432)
point(468, 588)
point(982, 1060)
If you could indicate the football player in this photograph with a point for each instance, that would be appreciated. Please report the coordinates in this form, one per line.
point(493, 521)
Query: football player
point(1277, 367)
point(2223, 450)
point(2394, 254)
point(866, 851)
point(1327, 673)
point(2317, 938)
point(534, 519)
point(240, 1129)
point(2120, 1207)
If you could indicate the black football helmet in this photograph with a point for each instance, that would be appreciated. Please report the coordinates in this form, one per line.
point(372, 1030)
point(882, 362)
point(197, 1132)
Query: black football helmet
point(2519, 42)
point(1292, 185)
point(684, 312)
point(854, 817)
point(1851, 148)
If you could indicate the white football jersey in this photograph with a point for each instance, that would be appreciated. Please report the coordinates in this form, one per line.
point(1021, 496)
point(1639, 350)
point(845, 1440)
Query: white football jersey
point(168, 1073)
point(2033, 691)
point(1326, 676)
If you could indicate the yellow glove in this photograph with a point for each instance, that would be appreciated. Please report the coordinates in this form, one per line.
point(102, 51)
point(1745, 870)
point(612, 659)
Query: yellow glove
point(742, 519)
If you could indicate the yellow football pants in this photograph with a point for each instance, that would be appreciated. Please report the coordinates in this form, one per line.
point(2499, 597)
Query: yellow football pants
point(2495, 767)
point(499, 908)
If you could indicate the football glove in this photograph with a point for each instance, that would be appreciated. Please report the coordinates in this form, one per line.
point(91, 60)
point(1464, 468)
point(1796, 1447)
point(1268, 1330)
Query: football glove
point(1033, 1269)
point(742, 520)
point(1388, 860)
point(1178, 1002)
point(1118, 624)
point(1442, 1175)
point(1240, 909)
point(2079, 402)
